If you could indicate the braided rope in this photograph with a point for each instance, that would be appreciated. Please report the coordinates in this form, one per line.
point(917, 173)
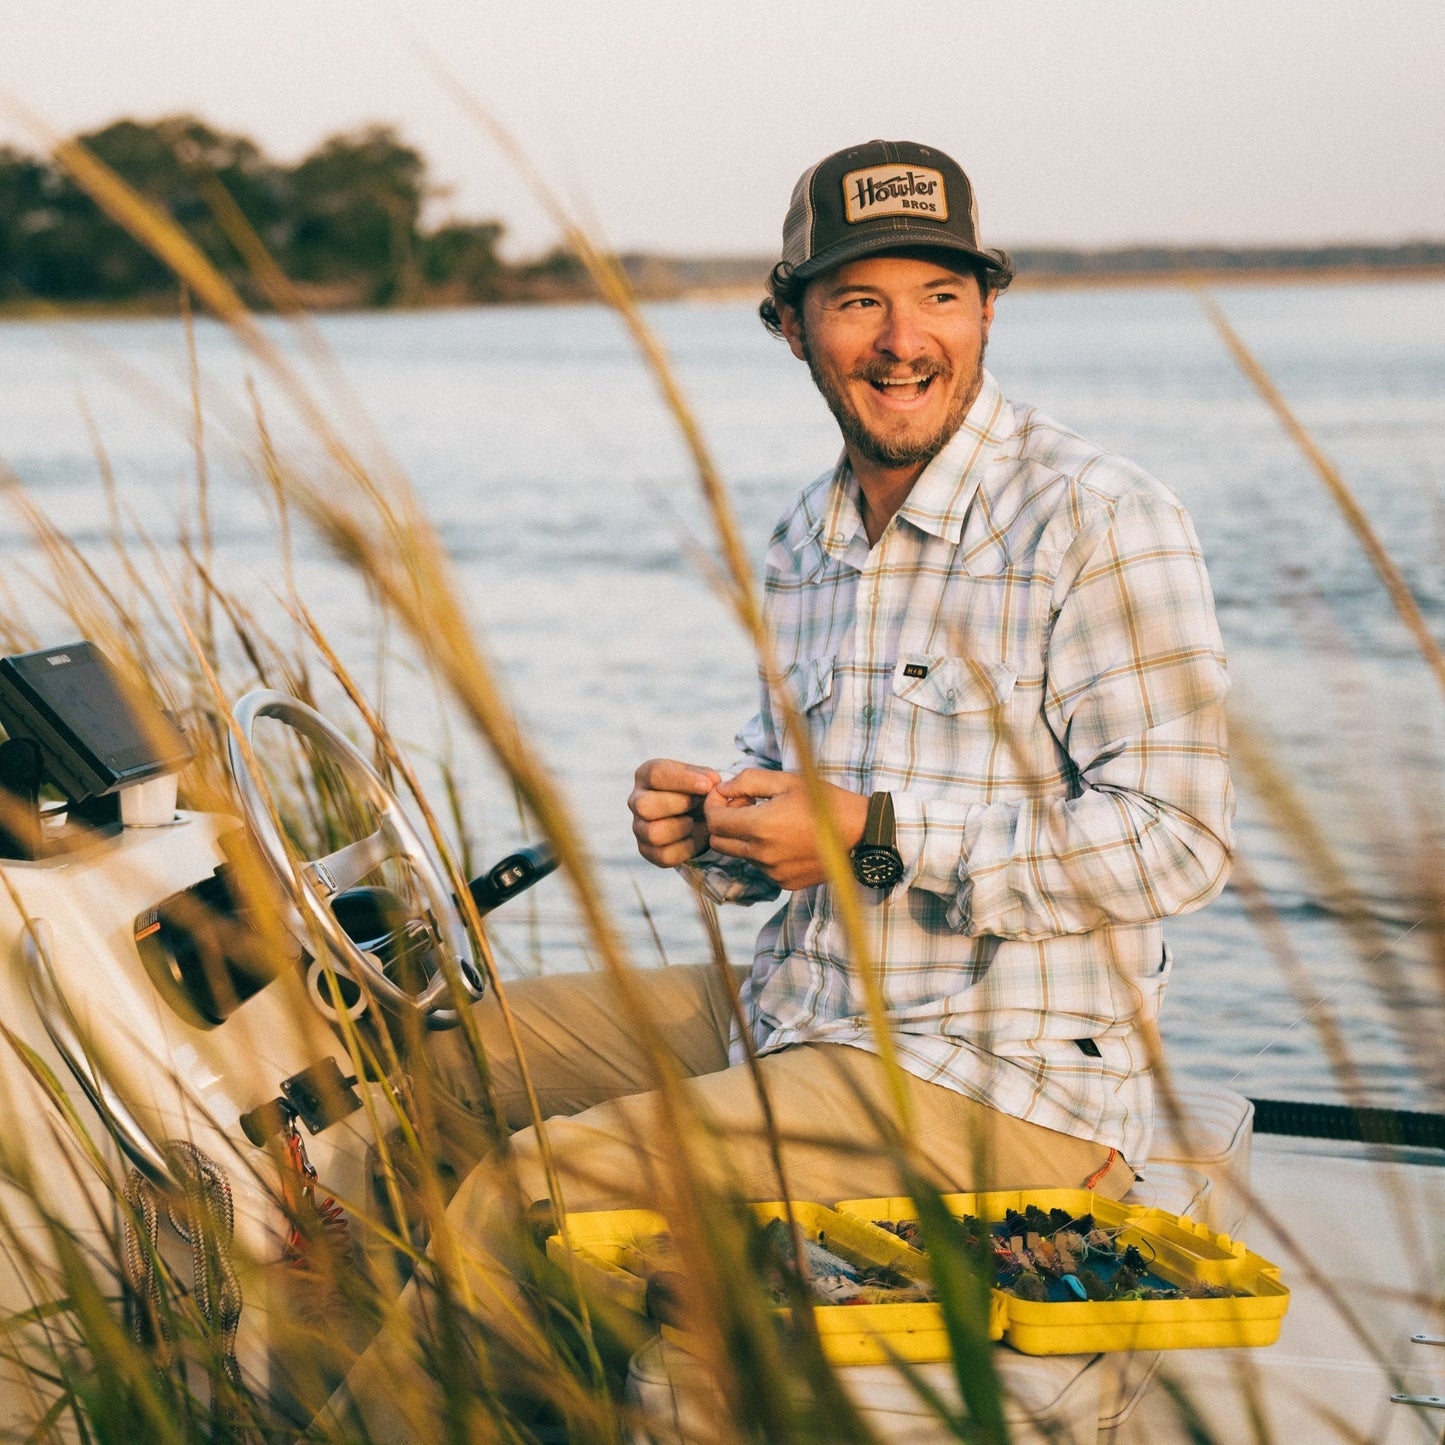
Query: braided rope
point(206, 1220)
point(149, 1323)
point(208, 1224)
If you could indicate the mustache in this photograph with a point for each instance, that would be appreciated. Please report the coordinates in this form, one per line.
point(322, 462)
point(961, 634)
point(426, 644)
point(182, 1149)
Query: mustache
point(882, 370)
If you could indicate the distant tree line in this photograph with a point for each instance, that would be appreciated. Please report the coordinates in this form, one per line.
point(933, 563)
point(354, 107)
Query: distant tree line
point(344, 223)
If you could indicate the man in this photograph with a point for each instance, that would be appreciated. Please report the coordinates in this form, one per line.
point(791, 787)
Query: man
point(1000, 646)
point(1001, 636)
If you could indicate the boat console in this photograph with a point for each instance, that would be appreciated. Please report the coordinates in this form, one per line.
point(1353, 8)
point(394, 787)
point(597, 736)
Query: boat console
point(175, 987)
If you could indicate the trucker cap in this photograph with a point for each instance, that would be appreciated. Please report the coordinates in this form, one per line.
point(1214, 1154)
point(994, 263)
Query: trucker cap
point(878, 196)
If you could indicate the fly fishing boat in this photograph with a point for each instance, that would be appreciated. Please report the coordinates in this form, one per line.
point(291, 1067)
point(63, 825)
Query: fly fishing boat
point(159, 1060)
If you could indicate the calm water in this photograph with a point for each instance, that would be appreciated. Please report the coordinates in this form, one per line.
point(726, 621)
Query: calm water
point(540, 450)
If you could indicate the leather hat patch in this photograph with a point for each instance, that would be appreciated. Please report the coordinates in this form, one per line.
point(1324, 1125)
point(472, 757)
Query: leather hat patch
point(894, 191)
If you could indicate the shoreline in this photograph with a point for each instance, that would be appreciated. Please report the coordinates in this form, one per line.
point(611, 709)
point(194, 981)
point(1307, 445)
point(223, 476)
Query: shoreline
point(1122, 280)
point(1244, 276)
point(157, 309)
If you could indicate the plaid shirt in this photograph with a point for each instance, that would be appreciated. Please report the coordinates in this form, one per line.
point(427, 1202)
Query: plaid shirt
point(1028, 661)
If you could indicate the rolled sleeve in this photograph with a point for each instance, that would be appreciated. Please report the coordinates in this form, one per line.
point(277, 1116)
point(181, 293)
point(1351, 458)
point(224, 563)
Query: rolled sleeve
point(1135, 694)
point(729, 880)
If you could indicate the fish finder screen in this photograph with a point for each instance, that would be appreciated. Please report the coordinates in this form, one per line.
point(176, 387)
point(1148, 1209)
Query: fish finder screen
point(96, 733)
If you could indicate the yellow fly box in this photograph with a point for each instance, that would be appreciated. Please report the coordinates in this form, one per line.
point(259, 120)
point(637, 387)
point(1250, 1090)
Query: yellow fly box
point(1178, 1250)
point(618, 1252)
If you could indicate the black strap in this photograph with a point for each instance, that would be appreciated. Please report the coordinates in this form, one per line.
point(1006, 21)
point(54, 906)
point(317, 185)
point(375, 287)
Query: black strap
point(1339, 1121)
point(879, 829)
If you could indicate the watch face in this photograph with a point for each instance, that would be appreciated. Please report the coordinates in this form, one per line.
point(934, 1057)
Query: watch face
point(876, 867)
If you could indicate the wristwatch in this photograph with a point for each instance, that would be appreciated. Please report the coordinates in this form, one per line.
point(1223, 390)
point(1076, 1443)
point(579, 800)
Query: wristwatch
point(876, 863)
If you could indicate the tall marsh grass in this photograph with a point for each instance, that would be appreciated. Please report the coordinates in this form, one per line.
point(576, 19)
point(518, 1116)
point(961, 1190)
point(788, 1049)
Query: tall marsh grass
point(188, 633)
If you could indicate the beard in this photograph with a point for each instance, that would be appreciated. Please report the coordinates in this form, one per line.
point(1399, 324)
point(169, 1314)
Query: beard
point(903, 449)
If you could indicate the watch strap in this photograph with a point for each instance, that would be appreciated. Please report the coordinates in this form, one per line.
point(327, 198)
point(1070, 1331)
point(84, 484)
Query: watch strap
point(880, 829)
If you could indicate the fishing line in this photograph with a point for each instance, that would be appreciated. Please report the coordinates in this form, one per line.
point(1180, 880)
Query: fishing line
point(1325, 998)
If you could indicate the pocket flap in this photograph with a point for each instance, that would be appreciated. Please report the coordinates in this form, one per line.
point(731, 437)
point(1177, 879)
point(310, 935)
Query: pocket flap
point(809, 682)
point(952, 684)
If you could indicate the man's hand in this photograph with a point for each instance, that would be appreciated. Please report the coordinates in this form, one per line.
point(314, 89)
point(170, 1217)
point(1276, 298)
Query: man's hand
point(667, 807)
point(764, 816)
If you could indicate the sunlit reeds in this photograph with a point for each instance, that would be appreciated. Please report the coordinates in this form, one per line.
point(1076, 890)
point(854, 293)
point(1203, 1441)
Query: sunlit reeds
point(202, 645)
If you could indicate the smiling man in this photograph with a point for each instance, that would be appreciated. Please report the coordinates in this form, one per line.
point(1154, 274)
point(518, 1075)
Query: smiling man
point(1000, 645)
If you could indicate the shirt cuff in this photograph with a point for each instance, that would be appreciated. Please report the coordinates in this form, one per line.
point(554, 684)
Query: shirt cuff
point(931, 845)
point(728, 880)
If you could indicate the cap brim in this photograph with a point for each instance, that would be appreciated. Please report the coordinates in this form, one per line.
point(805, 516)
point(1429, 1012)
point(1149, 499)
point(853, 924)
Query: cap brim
point(910, 238)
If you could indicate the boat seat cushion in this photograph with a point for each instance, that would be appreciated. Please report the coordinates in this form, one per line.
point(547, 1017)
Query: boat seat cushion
point(1174, 1188)
point(1059, 1399)
point(1212, 1134)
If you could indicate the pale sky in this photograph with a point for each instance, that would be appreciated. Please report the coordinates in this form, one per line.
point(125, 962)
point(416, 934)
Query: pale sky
point(682, 126)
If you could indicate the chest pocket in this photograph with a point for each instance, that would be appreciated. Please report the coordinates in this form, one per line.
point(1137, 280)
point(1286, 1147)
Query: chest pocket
point(952, 685)
point(809, 683)
point(808, 686)
point(947, 726)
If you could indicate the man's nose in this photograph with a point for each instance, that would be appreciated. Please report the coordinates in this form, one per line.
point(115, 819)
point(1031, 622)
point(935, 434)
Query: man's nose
point(901, 335)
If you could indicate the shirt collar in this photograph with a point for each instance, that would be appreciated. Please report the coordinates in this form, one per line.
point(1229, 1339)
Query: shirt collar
point(940, 498)
point(837, 531)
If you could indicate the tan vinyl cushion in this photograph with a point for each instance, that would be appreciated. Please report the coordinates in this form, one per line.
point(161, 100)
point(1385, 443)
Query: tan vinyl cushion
point(1125, 1381)
point(1212, 1135)
point(1049, 1399)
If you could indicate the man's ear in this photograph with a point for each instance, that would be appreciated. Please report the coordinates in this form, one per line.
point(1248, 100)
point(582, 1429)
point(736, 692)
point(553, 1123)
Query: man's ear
point(792, 323)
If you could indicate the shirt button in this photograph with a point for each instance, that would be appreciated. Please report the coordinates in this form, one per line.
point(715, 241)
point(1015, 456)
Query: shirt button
point(870, 714)
point(952, 695)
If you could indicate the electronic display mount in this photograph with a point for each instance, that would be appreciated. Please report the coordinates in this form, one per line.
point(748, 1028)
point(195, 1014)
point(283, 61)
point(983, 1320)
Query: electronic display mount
point(74, 723)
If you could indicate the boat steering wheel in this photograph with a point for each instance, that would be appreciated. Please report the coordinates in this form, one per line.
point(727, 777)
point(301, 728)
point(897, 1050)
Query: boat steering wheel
point(312, 884)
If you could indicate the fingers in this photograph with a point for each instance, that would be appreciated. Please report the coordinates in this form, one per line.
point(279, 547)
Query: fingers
point(730, 817)
point(664, 788)
point(765, 816)
point(778, 847)
point(666, 775)
point(671, 841)
point(756, 783)
point(747, 807)
point(663, 832)
point(667, 810)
